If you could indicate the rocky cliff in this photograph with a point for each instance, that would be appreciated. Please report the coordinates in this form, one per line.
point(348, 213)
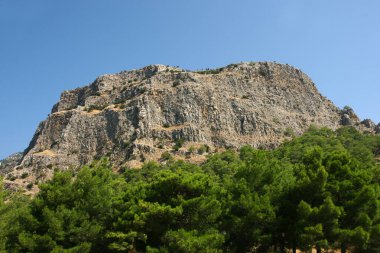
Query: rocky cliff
point(138, 115)
point(7, 164)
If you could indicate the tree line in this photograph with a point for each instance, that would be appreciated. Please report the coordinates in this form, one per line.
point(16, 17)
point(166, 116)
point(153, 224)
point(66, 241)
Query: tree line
point(319, 190)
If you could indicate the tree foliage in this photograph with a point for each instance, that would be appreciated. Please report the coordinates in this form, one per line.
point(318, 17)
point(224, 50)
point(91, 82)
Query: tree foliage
point(320, 190)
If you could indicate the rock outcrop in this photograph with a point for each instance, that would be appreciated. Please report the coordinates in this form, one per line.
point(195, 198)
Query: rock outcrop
point(137, 115)
point(377, 128)
point(7, 164)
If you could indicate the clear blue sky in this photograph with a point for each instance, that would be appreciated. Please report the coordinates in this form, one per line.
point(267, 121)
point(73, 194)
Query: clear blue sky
point(49, 46)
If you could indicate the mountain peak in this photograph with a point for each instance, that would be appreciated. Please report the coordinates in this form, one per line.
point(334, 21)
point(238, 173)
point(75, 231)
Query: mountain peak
point(144, 114)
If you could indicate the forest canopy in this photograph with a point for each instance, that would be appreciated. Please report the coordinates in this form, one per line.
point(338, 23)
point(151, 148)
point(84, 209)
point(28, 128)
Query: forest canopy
point(319, 190)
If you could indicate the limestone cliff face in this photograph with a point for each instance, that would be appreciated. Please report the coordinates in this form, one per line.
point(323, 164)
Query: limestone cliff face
point(137, 115)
